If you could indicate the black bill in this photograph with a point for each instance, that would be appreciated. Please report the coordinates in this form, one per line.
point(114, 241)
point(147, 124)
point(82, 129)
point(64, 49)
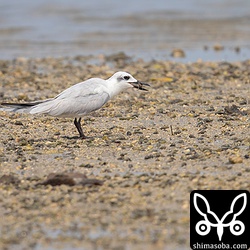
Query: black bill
point(139, 85)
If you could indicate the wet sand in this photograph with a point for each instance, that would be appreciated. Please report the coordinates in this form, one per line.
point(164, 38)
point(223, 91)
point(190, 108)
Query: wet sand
point(151, 149)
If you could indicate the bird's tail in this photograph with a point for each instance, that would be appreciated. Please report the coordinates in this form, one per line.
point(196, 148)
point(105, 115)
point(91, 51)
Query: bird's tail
point(19, 107)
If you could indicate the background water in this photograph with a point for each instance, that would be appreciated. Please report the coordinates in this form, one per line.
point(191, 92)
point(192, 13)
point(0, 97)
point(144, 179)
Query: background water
point(148, 29)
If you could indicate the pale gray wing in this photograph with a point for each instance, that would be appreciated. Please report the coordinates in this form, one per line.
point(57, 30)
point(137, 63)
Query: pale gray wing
point(72, 107)
point(76, 101)
point(86, 88)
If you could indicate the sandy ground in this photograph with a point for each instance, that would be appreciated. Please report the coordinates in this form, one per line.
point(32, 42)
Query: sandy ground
point(151, 149)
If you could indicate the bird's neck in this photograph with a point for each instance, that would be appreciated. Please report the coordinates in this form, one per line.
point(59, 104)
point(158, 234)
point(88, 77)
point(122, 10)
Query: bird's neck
point(115, 89)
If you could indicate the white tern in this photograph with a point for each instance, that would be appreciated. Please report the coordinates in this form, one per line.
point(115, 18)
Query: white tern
point(79, 99)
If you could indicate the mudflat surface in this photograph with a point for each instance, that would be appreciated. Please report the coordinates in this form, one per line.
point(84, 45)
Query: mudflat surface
point(151, 149)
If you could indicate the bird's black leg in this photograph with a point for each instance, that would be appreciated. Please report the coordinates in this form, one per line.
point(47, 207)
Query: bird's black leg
point(79, 128)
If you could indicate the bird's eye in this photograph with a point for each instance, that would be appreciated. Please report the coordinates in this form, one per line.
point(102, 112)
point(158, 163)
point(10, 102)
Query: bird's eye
point(126, 77)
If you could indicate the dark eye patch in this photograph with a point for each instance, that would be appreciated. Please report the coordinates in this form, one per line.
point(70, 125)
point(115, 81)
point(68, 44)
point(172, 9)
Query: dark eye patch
point(126, 77)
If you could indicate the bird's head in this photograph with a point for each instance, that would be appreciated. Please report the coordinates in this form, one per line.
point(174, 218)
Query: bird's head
point(123, 80)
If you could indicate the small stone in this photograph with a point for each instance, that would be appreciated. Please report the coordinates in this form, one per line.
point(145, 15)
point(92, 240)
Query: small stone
point(237, 49)
point(205, 47)
point(178, 53)
point(86, 165)
point(22, 96)
point(129, 133)
point(218, 47)
point(235, 159)
point(18, 123)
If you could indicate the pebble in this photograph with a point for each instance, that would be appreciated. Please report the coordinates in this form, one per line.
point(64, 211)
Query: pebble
point(178, 53)
point(218, 47)
point(235, 159)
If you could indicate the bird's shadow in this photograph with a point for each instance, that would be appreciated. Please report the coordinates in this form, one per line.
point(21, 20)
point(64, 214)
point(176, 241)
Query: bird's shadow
point(87, 138)
point(71, 137)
